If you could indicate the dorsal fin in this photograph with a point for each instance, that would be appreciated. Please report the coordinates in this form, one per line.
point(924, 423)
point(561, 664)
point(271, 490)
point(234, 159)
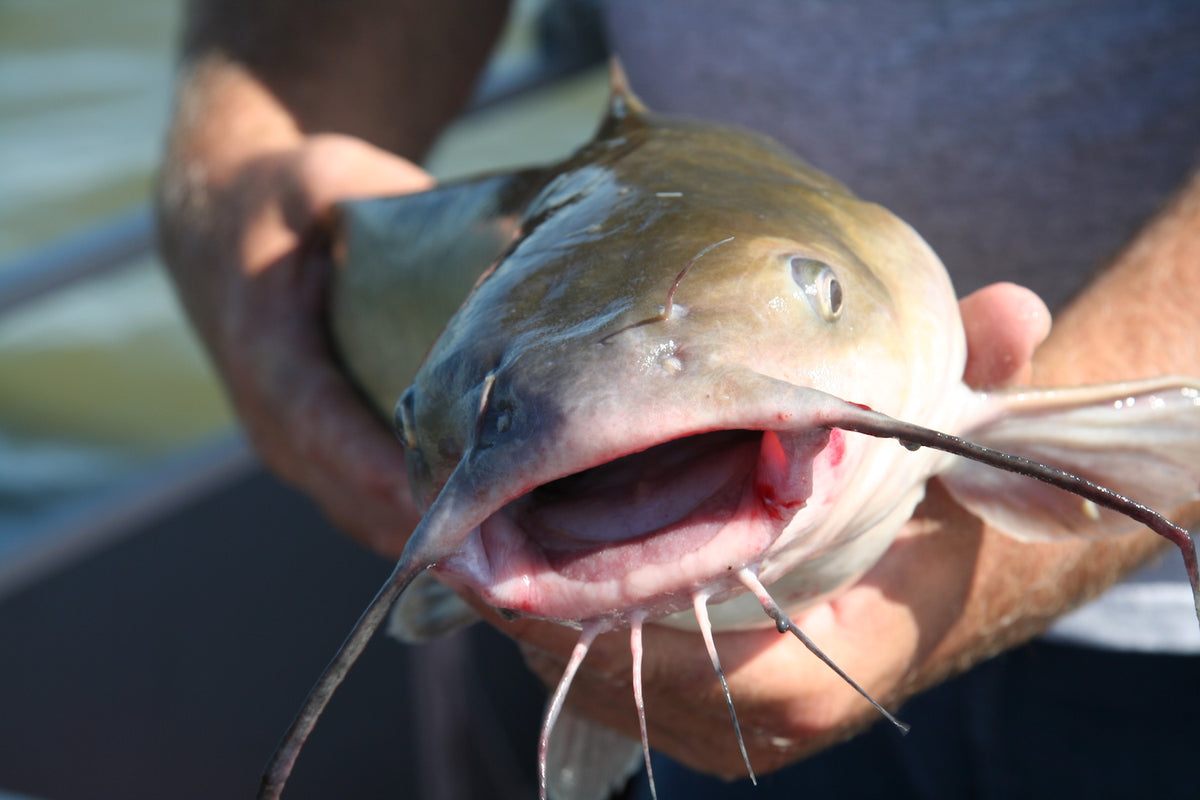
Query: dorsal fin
point(622, 102)
point(625, 109)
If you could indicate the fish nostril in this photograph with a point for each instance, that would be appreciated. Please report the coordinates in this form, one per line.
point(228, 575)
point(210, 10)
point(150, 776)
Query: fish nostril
point(495, 420)
point(504, 413)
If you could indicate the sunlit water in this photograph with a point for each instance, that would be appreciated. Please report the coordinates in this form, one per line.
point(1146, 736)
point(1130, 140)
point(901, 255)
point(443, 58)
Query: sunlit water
point(103, 379)
point(84, 95)
point(84, 91)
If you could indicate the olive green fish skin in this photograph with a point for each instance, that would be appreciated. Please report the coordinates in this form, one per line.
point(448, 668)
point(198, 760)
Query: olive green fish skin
point(571, 308)
point(671, 280)
point(650, 405)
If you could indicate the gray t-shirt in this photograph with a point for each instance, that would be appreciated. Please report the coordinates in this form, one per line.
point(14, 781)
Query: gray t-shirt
point(1026, 140)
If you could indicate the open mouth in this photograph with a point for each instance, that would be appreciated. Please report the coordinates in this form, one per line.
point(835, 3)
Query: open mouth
point(695, 480)
point(642, 530)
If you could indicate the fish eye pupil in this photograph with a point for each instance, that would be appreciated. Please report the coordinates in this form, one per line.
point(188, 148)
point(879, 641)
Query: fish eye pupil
point(820, 286)
point(834, 294)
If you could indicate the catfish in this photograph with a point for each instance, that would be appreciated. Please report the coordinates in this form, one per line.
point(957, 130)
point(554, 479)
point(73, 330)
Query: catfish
point(670, 379)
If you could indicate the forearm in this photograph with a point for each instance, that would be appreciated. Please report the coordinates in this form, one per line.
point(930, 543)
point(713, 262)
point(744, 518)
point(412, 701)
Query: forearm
point(257, 77)
point(284, 109)
point(1137, 319)
point(392, 72)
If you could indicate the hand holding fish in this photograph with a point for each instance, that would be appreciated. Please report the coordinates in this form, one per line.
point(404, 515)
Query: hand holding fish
point(927, 610)
point(679, 324)
point(249, 168)
point(649, 398)
point(240, 231)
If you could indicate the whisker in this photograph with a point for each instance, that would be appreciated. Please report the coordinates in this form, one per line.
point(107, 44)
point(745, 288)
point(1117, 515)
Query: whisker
point(669, 304)
point(279, 769)
point(554, 708)
point(784, 623)
point(700, 602)
point(485, 396)
point(635, 648)
point(854, 418)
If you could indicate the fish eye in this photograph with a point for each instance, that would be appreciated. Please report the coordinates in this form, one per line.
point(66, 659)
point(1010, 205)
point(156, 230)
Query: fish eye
point(820, 286)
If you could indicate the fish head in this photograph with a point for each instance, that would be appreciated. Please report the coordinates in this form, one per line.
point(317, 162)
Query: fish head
point(624, 410)
point(654, 397)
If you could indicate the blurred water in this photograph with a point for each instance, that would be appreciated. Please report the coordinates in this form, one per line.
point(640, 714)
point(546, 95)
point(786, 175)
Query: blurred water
point(102, 379)
point(84, 93)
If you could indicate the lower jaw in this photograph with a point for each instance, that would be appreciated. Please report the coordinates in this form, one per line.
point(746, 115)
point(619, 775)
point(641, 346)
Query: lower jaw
point(550, 554)
point(655, 574)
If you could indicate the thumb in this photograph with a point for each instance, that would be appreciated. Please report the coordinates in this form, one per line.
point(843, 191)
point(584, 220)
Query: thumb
point(334, 167)
point(1004, 324)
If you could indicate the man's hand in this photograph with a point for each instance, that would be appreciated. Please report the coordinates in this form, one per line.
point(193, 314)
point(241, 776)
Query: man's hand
point(911, 621)
point(247, 252)
point(252, 166)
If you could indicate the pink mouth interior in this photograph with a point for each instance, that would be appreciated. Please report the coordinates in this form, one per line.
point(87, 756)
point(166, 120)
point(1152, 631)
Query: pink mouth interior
point(691, 482)
point(642, 532)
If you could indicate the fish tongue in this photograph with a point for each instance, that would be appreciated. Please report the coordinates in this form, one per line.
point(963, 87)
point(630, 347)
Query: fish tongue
point(644, 492)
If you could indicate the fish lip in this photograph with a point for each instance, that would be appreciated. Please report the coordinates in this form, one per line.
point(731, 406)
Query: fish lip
point(657, 570)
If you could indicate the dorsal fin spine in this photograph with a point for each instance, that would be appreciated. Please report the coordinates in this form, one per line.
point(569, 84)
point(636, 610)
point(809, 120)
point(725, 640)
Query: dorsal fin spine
point(622, 102)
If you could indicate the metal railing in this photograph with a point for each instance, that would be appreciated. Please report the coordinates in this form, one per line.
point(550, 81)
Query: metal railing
point(109, 245)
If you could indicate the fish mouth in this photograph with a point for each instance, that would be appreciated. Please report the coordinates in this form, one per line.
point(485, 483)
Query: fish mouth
point(695, 478)
point(645, 531)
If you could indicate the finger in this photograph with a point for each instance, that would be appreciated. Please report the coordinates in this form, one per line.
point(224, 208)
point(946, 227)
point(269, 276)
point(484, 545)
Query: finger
point(324, 439)
point(1004, 324)
point(334, 167)
point(311, 429)
point(308, 423)
point(350, 462)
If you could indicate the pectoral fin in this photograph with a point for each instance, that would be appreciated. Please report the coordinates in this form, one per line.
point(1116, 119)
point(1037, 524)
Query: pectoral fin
point(428, 609)
point(587, 761)
point(1139, 439)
